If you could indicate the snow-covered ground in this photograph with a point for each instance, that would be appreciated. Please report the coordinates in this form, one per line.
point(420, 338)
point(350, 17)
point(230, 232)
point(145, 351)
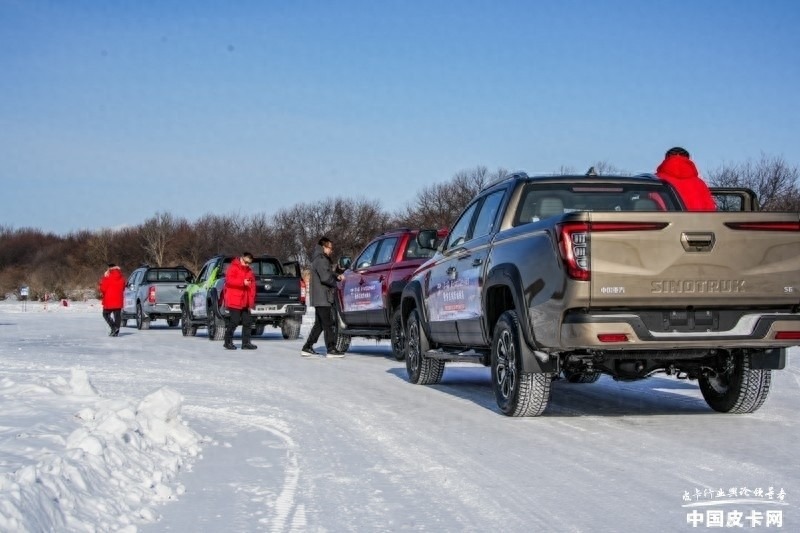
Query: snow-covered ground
point(152, 431)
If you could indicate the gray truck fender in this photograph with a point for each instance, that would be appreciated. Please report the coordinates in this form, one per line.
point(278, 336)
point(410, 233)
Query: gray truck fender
point(533, 360)
point(412, 298)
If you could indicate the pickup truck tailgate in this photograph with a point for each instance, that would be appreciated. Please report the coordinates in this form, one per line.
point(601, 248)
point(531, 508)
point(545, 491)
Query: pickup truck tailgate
point(689, 259)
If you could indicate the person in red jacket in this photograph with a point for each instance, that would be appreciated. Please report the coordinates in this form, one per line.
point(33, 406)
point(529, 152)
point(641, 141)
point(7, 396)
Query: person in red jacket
point(678, 170)
point(112, 289)
point(239, 298)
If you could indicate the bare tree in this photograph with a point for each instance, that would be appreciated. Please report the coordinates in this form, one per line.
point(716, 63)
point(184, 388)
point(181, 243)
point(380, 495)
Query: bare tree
point(438, 205)
point(156, 233)
point(775, 182)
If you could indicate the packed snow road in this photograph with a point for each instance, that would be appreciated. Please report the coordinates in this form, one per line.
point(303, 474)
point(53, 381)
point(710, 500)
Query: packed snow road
point(296, 444)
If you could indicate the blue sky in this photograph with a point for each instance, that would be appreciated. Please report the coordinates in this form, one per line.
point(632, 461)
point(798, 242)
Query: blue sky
point(113, 111)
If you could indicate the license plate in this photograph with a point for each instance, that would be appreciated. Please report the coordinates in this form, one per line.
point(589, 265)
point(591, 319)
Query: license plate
point(266, 308)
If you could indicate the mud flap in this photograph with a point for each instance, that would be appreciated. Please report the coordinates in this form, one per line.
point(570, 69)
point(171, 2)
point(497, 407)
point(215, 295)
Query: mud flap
point(769, 359)
point(538, 362)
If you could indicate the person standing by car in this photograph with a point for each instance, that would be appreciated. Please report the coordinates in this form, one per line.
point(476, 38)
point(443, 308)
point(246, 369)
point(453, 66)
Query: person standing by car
point(112, 288)
point(680, 172)
point(323, 287)
point(239, 298)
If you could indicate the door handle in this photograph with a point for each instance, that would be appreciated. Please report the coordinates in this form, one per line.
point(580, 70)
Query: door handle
point(382, 278)
point(452, 272)
point(477, 262)
point(361, 281)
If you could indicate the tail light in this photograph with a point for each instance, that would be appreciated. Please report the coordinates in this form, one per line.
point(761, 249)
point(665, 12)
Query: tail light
point(151, 295)
point(302, 291)
point(612, 337)
point(787, 335)
point(573, 242)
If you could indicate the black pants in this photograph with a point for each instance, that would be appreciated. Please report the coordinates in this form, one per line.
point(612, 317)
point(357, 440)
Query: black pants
point(113, 318)
point(323, 321)
point(239, 316)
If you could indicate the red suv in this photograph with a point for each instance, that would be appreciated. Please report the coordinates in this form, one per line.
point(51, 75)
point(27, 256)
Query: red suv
point(369, 295)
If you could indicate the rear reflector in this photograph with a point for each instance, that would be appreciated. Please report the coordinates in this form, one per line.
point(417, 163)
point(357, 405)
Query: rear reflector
point(765, 226)
point(612, 337)
point(787, 335)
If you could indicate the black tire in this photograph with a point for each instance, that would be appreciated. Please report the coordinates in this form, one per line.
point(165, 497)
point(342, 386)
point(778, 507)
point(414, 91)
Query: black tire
point(214, 324)
point(342, 342)
point(172, 322)
point(738, 388)
point(517, 393)
point(142, 321)
point(580, 377)
point(398, 335)
point(258, 330)
point(187, 329)
point(421, 370)
point(290, 329)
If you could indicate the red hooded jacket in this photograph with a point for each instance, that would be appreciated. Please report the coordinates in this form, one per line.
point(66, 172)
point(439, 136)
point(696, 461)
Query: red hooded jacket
point(112, 287)
point(237, 294)
point(680, 172)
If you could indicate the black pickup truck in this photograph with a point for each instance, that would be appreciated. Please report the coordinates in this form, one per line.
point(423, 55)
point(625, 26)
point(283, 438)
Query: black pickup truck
point(280, 298)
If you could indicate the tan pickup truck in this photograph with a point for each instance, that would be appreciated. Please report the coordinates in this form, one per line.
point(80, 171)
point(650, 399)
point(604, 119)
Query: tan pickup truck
point(576, 276)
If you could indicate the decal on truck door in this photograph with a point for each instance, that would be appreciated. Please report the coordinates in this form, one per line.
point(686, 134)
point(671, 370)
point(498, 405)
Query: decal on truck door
point(363, 297)
point(455, 299)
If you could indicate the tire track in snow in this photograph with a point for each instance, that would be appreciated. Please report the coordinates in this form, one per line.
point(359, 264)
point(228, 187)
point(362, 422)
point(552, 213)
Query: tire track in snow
point(285, 503)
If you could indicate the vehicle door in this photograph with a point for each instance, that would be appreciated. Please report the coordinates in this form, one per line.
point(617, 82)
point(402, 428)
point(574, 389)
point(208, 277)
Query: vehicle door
point(471, 266)
point(376, 277)
point(197, 291)
point(445, 293)
point(129, 295)
point(357, 297)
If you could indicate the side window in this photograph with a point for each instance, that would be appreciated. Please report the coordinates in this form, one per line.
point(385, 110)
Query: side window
point(488, 214)
point(385, 253)
point(132, 277)
point(458, 235)
point(366, 258)
point(203, 273)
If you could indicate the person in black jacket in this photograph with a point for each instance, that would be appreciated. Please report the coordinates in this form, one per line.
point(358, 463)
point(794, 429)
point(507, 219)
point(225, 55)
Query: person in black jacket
point(323, 287)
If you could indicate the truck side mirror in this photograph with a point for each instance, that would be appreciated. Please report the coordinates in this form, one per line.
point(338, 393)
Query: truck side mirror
point(345, 262)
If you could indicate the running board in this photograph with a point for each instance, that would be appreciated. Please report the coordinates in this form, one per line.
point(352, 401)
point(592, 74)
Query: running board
point(468, 356)
point(354, 332)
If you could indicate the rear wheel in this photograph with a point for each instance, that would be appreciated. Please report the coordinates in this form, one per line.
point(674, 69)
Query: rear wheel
point(421, 370)
point(258, 330)
point(290, 328)
point(172, 322)
point(736, 387)
point(398, 336)
point(142, 320)
point(517, 393)
point(187, 329)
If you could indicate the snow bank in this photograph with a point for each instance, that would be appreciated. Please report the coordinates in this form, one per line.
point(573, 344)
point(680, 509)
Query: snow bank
point(105, 475)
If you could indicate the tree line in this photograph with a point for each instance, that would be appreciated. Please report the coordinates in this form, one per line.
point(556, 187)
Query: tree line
point(68, 266)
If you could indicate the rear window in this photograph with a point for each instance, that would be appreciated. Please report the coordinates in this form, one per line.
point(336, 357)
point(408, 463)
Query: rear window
point(541, 201)
point(171, 274)
point(265, 267)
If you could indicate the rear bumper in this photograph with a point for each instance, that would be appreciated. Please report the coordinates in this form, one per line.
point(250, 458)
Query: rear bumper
point(162, 310)
point(749, 330)
point(266, 313)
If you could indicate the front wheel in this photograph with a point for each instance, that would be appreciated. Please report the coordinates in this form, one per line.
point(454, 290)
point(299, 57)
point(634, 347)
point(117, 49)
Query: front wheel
point(736, 387)
point(398, 336)
point(142, 320)
point(589, 376)
point(187, 329)
point(215, 325)
point(172, 322)
point(341, 342)
point(517, 393)
point(421, 370)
